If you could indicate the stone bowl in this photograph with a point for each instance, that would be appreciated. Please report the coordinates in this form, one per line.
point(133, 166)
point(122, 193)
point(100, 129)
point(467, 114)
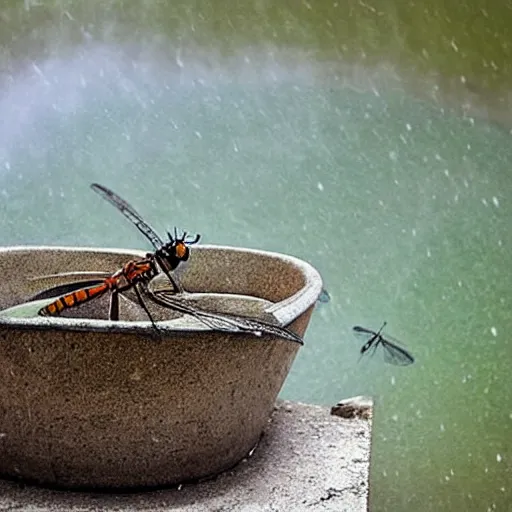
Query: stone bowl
point(91, 403)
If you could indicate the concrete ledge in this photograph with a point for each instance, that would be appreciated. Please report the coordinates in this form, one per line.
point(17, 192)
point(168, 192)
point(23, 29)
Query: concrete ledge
point(307, 460)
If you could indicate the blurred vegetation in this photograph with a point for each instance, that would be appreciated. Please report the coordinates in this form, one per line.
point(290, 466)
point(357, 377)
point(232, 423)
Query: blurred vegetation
point(452, 39)
point(451, 50)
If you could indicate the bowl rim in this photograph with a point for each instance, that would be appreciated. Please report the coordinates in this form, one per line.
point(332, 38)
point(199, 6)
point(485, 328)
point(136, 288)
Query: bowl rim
point(286, 311)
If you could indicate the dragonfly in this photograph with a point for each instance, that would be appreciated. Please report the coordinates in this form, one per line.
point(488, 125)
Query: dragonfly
point(166, 258)
point(140, 273)
point(393, 352)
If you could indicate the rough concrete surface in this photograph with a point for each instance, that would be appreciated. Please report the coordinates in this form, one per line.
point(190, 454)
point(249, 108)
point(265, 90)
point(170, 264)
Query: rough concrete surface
point(307, 460)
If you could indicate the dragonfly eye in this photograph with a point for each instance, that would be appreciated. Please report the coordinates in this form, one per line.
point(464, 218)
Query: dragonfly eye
point(181, 250)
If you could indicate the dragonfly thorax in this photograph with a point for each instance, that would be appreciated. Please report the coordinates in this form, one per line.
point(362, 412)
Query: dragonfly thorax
point(133, 272)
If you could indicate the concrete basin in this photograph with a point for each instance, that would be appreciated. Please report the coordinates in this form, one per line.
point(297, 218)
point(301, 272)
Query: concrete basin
point(90, 403)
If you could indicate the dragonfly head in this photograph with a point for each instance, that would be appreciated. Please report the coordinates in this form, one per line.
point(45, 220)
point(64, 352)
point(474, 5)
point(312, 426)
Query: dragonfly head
point(177, 250)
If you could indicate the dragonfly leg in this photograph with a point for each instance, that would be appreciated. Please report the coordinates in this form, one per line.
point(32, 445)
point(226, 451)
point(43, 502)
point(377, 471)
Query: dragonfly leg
point(175, 283)
point(143, 304)
point(113, 312)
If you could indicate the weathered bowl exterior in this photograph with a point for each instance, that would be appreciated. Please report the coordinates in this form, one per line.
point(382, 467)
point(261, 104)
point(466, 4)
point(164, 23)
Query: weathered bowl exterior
point(97, 404)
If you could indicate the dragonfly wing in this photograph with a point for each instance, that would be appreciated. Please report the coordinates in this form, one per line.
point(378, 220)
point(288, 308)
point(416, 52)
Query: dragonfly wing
point(224, 321)
point(130, 213)
point(65, 289)
point(359, 329)
point(363, 335)
point(394, 354)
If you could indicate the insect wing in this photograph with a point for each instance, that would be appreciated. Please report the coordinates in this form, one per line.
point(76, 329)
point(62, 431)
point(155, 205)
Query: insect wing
point(365, 336)
point(224, 321)
point(65, 289)
point(129, 212)
point(361, 331)
point(394, 354)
